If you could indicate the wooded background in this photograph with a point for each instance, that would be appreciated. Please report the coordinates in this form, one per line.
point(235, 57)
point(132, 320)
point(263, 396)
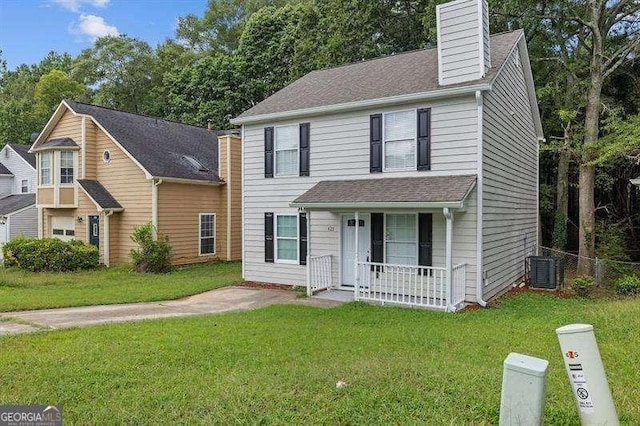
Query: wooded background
point(583, 55)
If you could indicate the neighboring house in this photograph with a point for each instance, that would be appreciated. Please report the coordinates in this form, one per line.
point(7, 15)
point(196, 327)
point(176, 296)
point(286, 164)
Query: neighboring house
point(102, 172)
point(410, 179)
point(18, 213)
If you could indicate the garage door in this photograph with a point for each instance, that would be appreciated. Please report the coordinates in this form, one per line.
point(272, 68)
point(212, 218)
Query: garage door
point(62, 227)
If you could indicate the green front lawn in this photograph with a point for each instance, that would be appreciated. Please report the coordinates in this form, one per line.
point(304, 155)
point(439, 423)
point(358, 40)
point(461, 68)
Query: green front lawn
point(22, 290)
point(281, 365)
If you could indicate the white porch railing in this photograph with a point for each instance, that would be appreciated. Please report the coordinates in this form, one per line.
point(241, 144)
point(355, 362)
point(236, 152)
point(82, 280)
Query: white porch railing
point(319, 273)
point(410, 285)
point(458, 283)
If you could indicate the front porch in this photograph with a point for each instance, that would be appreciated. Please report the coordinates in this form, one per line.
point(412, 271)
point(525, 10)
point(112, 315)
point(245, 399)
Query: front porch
point(408, 285)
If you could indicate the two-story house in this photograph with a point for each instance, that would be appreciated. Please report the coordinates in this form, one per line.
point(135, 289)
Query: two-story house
point(408, 179)
point(101, 172)
point(18, 214)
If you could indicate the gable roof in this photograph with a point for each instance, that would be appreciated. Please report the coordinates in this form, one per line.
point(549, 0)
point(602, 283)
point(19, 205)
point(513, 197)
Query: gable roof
point(4, 171)
point(56, 143)
point(15, 202)
point(23, 152)
point(382, 78)
point(400, 192)
point(160, 147)
point(99, 194)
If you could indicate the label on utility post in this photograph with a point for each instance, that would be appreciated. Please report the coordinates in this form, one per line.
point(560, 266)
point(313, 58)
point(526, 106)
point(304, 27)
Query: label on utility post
point(580, 389)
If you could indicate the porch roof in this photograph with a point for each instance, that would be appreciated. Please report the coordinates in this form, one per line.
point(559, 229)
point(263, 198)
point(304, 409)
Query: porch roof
point(99, 195)
point(402, 192)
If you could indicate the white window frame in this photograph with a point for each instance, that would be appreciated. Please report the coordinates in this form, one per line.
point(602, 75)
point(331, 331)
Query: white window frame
point(414, 166)
point(276, 238)
point(24, 186)
point(50, 156)
point(417, 242)
point(275, 151)
point(73, 168)
point(200, 237)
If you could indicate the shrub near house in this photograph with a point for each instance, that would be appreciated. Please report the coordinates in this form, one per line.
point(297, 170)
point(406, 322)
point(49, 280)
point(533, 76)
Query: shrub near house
point(50, 254)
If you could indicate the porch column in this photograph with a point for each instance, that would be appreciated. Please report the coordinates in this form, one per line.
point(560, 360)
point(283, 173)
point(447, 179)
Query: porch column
point(309, 292)
point(448, 215)
point(355, 263)
point(106, 244)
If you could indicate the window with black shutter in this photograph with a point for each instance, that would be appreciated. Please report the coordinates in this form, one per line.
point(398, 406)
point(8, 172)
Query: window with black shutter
point(305, 130)
point(268, 238)
point(424, 139)
point(375, 136)
point(268, 152)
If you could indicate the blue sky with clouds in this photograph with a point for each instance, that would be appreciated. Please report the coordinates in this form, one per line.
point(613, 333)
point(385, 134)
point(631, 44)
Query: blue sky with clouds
point(29, 29)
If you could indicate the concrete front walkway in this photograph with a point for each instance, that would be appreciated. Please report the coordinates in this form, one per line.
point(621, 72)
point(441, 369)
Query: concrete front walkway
point(212, 302)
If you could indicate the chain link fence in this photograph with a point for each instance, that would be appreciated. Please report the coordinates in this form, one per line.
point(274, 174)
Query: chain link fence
point(603, 271)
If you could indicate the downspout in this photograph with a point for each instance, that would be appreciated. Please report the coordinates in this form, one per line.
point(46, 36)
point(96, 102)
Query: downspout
point(479, 207)
point(154, 206)
point(84, 147)
point(106, 238)
point(242, 179)
point(229, 197)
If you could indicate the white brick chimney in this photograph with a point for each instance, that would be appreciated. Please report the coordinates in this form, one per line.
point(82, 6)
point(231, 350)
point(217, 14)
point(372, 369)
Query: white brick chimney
point(463, 41)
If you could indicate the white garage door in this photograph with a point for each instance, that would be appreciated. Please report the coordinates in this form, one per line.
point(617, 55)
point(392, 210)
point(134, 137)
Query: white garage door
point(62, 227)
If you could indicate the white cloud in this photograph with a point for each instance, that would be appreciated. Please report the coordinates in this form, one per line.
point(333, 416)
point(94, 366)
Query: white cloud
point(74, 5)
point(95, 27)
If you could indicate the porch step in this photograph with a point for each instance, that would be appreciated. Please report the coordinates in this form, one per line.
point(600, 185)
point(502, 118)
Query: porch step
point(333, 294)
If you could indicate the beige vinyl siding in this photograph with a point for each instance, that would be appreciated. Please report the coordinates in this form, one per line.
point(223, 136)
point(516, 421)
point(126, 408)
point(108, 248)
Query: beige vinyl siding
point(459, 42)
point(128, 185)
point(24, 223)
point(69, 126)
point(67, 196)
point(510, 167)
point(91, 156)
point(179, 208)
point(339, 149)
point(45, 196)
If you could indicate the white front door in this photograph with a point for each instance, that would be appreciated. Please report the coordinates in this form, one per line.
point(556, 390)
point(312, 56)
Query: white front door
point(349, 245)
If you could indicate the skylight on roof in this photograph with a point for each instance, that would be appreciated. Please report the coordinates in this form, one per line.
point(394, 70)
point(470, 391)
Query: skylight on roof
point(195, 164)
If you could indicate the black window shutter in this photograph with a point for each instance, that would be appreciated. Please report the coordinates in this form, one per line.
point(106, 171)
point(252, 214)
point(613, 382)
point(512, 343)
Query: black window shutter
point(424, 139)
point(377, 237)
point(425, 239)
point(305, 130)
point(268, 237)
point(375, 137)
point(268, 152)
point(303, 238)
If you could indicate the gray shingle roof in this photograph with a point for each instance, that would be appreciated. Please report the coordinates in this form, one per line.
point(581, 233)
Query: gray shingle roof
point(57, 143)
point(23, 151)
point(160, 146)
point(395, 75)
point(423, 189)
point(15, 202)
point(99, 194)
point(4, 170)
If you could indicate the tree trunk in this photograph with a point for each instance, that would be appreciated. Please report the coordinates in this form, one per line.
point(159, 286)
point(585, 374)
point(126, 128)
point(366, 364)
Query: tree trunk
point(587, 236)
point(562, 194)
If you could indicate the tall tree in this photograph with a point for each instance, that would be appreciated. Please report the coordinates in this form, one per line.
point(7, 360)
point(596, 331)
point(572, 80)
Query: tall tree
point(54, 87)
point(120, 69)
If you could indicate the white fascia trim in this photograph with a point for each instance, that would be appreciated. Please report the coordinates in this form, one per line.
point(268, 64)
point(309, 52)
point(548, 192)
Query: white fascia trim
point(380, 205)
point(479, 207)
point(370, 103)
point(187, 181)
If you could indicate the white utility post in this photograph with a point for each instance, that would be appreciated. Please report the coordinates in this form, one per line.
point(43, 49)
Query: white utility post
point(523, 388)
point(448, 215)
point(586, 374)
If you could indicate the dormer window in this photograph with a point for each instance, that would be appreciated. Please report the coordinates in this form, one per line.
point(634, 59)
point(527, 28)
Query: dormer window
point(66, 167)
point(45, 168)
